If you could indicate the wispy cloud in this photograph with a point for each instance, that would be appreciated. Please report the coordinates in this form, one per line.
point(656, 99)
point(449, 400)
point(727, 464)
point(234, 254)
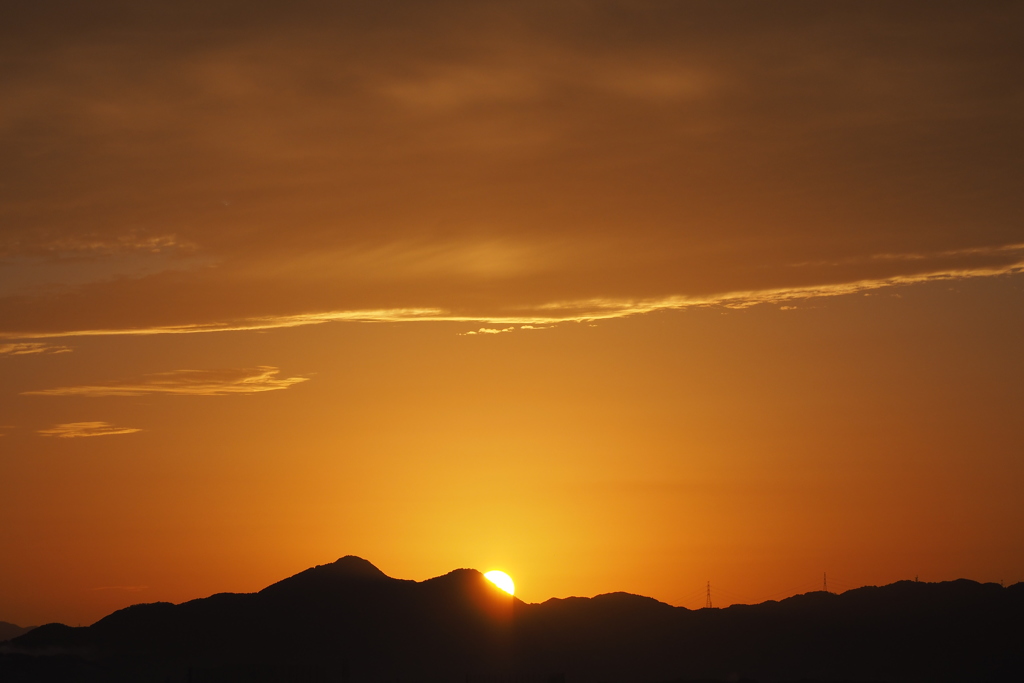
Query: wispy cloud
point(598, 309)
point(92, 245)
point(574, 310)
point(500, 330)
point(74, 430)
point(259, 323)
point(126, 589)
point(185, 382)
point(577, 310)
point(918, 256)
point(31, 348)
point(490, 330)
point(33, 268)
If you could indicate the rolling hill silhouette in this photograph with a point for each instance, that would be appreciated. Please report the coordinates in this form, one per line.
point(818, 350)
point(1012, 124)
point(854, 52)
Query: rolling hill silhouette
point(8, 631)
point(348, 621)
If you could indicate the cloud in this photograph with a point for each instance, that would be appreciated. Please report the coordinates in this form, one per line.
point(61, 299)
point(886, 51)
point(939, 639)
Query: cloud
point(255, 324)
point(598, 309)
point(74, 430)
point(525, 316)
point(31, 348)
point(1007, 249)
point(489, 330)
point(490, 162)
point(91, 244)
point(451, 87)
point(33, 265)
point(185, 383)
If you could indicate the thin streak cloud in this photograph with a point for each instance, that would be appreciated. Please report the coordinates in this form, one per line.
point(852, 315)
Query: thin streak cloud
point(31, 349)
point(923, 256)
point(75, 430)
point(254, 324)
point(72, 246)
point(600, 309)
point(576, 310)
point(490, 330)
point(185, 383)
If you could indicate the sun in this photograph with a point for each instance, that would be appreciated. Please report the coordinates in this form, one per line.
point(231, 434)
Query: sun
point(502, 581)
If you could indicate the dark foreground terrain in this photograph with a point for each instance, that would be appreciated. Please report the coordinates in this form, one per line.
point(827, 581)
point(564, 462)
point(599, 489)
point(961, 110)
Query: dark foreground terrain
point(349, 622)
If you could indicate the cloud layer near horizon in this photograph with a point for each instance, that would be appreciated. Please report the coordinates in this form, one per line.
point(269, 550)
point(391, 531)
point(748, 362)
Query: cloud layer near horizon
point(497, 162)
point(186, 383)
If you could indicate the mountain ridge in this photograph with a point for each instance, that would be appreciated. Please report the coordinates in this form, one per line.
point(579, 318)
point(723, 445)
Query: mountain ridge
point(347, 620)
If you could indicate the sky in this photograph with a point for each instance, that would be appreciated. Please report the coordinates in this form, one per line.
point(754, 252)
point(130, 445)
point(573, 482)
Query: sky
point(608, 295)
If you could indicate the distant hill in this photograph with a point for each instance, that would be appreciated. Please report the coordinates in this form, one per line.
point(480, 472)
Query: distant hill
point(8, 631)
point(349, 622)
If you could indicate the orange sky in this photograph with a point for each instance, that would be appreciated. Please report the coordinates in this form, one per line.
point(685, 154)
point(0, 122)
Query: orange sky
point(611, 296)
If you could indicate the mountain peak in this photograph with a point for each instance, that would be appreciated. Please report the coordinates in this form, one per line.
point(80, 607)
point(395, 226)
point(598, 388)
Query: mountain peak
point(353, 567)
point(344, 571)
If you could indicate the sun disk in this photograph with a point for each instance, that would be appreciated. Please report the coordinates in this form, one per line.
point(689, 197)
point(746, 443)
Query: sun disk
point(502, 581)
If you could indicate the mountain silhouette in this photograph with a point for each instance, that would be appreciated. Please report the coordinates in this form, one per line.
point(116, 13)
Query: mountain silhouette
point(8, 631)
point(348, 621)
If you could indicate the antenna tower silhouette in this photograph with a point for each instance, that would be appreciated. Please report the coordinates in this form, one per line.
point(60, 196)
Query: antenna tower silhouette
point(824, 582)
point(708, 602)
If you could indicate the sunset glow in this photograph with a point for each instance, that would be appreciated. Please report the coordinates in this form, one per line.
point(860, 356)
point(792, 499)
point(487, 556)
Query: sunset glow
point(693, 292)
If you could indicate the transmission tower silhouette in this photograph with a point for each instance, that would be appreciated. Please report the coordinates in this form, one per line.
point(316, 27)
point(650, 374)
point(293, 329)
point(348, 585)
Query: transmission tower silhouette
point(824, 582)
point(707, 603)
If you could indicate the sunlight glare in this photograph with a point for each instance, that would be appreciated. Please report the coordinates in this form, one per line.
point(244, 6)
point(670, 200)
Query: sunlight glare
point(502, 581)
